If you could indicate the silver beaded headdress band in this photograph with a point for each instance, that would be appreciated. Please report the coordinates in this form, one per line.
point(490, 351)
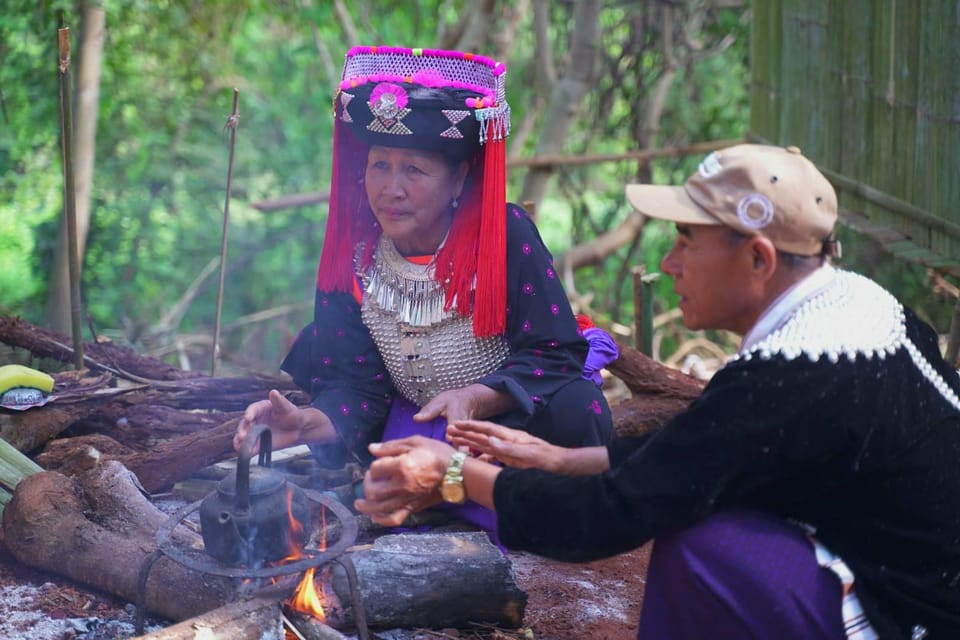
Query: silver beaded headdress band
point(447, 101)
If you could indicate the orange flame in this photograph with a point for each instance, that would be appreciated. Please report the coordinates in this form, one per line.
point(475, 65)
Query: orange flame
point(305, 599)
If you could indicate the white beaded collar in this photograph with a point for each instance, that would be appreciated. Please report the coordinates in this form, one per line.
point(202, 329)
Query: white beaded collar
point(836, 313)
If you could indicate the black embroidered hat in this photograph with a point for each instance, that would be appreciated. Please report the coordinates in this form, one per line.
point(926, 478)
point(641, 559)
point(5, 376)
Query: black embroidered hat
point(404, 114)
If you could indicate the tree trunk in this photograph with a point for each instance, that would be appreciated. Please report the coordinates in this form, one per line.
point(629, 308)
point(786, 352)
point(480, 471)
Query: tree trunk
point(567, 94)
point(88, 99)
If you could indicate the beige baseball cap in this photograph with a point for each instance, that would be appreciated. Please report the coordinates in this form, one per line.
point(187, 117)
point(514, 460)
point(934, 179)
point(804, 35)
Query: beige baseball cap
point(755, 189)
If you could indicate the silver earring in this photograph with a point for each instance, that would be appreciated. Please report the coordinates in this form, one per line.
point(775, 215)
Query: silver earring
point(455, 203)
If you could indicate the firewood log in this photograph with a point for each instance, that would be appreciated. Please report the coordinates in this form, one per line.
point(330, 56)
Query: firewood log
point(98, 530)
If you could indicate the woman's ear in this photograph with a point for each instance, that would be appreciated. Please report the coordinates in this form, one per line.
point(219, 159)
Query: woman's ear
point(460, 177)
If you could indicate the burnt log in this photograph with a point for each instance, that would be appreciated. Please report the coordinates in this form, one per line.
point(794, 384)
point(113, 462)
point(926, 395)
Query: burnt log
point(429, 580)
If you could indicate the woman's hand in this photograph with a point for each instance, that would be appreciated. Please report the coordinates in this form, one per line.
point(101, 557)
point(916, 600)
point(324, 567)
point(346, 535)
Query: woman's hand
point(285, 419)
point(511, 447)
point(405, 478)
point(474, 401)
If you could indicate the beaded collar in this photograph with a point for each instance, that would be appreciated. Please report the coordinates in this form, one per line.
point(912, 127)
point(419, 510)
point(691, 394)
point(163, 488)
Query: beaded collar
point(405, 288)
point(836, 313)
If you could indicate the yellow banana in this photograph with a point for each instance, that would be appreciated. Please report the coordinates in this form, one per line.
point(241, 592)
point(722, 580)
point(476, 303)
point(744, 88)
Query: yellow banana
point(17, 375)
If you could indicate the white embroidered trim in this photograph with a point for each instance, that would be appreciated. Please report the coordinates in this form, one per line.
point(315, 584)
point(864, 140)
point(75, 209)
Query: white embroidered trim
point(850, 316)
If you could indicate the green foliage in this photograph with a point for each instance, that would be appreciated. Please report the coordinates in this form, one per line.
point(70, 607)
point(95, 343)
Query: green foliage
point(168, 75)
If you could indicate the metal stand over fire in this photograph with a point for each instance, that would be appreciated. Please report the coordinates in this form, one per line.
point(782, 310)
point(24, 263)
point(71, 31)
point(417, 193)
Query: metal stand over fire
point(252, 525)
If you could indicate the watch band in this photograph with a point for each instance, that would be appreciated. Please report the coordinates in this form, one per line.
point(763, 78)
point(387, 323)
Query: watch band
point(452, 488)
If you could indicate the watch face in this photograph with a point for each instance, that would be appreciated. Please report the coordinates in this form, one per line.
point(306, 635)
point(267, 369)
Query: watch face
point(453, 492)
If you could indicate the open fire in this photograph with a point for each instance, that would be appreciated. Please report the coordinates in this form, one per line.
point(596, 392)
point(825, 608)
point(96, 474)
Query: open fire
point(306, 599)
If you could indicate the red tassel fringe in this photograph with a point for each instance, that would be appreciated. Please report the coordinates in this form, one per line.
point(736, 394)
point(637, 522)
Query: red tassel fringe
point(490, 305)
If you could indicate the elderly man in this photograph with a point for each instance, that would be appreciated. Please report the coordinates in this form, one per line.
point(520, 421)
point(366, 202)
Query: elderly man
point(811, 491)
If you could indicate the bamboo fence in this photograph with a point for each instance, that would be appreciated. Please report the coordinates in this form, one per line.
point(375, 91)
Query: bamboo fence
point(870, 90)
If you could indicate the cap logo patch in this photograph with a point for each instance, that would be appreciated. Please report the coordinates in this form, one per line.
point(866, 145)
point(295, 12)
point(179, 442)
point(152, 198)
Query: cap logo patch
point(388, 103)
point(755, 211)
point(710, 166)
point(454, 116)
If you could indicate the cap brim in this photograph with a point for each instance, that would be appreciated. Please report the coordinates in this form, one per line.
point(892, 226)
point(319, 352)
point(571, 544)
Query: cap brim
point(668, 203)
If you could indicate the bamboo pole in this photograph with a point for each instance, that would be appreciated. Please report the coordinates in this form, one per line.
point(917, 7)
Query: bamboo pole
point(232, 123)
point(69, 192)
point(14, 467)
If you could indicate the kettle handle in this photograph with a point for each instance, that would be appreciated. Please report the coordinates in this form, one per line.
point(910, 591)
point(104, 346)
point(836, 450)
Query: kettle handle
point(262, 432)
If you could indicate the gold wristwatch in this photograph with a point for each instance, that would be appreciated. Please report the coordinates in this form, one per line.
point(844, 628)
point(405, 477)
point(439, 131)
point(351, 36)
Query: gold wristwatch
point(452, 488)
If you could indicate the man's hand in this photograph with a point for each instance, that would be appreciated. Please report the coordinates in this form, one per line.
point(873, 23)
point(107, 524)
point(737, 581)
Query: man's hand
point(285, 420)
point(404, 479)
point(511, 447)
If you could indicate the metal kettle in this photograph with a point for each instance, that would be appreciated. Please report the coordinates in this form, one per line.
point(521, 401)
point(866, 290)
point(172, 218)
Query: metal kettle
point(247, 520)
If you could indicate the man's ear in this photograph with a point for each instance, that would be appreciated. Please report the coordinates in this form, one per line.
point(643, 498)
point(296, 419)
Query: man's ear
point(764, 256)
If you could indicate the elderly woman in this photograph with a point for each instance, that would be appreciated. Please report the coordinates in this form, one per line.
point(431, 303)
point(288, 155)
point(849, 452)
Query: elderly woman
point(436, 300)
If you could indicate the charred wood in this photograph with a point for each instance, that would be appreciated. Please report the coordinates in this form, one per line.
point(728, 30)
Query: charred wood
point(431, 580)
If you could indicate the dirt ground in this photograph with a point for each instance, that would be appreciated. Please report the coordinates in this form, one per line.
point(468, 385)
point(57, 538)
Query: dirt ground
point(598, 600)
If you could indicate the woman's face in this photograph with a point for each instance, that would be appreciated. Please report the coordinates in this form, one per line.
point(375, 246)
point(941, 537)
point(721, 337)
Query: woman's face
point(410, 192)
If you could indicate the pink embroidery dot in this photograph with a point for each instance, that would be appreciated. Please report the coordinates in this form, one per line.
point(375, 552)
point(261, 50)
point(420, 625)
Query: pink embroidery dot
point(526, 326)
point(365, 406)
point(538, 373)
point(324, 302)
point(527, 288)
point(360, 359)
point(526, 248)
point(555, 309)
point(344, 409)
point(326, 361)
point(536, 398)
point(553, 343)
point(538, 352)
point(596, 407)
point(379, 376)
point(551, 274)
